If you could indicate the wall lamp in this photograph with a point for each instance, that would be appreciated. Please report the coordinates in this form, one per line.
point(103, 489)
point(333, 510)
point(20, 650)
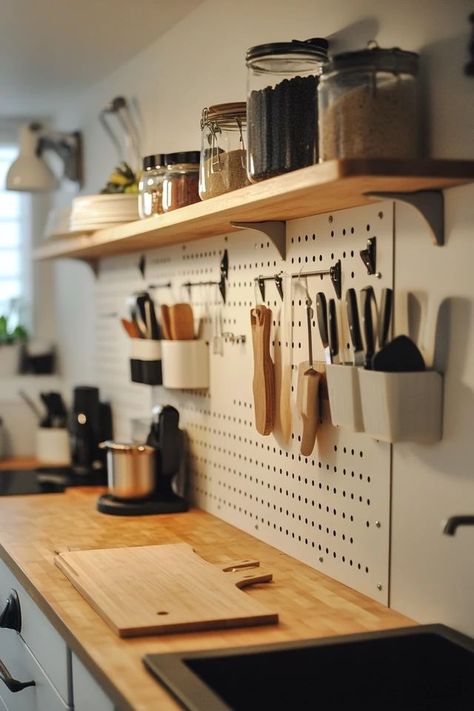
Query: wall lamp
point(29, 173)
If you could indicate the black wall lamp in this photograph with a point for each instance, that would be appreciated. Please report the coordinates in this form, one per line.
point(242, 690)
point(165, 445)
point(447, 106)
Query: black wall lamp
point(29, 173)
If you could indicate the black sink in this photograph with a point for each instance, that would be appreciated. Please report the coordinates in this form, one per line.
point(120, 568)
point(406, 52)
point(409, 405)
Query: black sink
point(424, 668)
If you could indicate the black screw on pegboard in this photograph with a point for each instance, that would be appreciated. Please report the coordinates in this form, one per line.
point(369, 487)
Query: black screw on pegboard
point(469, 68)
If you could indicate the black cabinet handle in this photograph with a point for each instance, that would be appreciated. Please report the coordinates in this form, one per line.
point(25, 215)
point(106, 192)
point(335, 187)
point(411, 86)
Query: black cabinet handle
point(13, 684)
point(10, 617)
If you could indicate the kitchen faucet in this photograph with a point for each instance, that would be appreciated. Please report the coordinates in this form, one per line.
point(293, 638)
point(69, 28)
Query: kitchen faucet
point(451, 524)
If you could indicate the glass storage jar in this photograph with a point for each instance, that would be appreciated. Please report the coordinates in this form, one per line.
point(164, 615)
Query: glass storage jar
point(150, 186)
point(282, 107)
point(181, 181)
point(368, 105)
point(223, 149)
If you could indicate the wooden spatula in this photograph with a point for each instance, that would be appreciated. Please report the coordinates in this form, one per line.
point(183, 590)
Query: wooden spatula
point(263, 370)
point(165, 321)
point(181, 320)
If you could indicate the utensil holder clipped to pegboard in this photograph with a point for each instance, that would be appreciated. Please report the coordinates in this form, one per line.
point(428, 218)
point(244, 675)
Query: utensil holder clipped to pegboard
point(390, 407)
point(402, 407)
point(185, 364)
point(145, 361)
point(344, 396)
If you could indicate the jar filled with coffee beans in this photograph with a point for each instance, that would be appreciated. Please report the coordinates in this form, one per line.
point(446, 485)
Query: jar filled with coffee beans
point(181, 181)
point(223, 149)
point(368, 105)
point(282, 107)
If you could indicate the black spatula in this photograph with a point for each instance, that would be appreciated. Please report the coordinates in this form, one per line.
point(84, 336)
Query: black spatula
point(401, 355)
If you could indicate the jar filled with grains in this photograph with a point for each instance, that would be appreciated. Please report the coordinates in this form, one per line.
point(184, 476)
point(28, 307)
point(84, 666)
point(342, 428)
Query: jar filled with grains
point(223, 149)
point(181, 181)
point(150, 186)
point(282, 107)
point(368, 105)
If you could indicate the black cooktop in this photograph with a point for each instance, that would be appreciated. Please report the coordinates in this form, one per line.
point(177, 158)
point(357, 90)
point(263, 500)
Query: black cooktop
point(44, 480)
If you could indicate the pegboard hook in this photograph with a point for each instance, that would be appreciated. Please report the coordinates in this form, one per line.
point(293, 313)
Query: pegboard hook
point(279, 284)
point(369, 257)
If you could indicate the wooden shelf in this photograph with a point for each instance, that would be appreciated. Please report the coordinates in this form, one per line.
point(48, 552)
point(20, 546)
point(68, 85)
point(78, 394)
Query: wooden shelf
point(326, 187)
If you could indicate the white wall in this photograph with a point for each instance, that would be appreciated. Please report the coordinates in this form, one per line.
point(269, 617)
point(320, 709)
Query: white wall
point(201, 61)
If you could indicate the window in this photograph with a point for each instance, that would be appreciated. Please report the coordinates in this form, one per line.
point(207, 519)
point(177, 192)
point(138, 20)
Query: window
point(14, 244)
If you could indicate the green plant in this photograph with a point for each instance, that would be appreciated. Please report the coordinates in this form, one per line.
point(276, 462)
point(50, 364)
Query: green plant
point(18, 334)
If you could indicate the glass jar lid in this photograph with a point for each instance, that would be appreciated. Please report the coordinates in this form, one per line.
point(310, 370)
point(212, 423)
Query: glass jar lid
point(224, 115)
point(395, 60)
point(157, 160)
point(314, 48)
point(182, 157)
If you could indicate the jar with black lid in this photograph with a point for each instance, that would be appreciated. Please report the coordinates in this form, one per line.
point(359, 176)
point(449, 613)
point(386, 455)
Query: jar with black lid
point(150, 186)
point(223, 149)
point(282, 107)
point(181, 181)
point(368, 105)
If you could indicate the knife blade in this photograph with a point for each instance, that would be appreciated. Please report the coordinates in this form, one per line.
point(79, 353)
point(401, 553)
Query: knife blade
point(333, 331)
point(354, 327)
point(369, 323)
point(385, 316)
point(322, 317)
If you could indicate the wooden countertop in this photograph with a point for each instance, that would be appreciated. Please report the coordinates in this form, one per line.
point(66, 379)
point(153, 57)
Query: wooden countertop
point(32, 528)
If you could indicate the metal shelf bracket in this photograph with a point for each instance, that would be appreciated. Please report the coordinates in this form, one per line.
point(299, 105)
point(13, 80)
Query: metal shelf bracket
point(430, 203)
point(275, 230)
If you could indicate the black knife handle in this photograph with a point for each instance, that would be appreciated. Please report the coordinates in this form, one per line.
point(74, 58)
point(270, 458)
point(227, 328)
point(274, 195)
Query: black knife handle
point(332, 323)
point(385, 316)
point(369, 322)
point(322, 317)
point(353, 319)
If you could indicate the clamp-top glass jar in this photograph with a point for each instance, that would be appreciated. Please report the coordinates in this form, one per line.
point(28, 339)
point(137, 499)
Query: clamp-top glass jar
point(150, 186)
point(180, 185)
point(223, 149)
point(368, 105)
point(282, 107)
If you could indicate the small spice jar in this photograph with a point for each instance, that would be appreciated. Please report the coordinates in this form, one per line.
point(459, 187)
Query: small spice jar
point(368, 105)
point(150, 186)
point(223, 149)
point(282, 108)
point(181, 181)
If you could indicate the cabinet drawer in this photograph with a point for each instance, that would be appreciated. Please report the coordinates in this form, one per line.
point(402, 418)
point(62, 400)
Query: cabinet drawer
point(88, 694)
point(46, 644)
point(23, 666)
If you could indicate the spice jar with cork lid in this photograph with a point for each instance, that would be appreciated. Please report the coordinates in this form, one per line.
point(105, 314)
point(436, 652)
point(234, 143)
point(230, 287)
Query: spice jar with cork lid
point(223, 149)
point(368, 105)
point(181, 181)
point(282, 107)
point(150, 186)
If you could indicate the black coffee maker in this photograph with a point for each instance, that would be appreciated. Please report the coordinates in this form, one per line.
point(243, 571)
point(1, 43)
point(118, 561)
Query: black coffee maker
point(90, 422)
point(169, 461)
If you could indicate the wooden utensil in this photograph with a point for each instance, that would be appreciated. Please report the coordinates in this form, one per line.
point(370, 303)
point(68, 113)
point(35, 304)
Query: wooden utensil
point(165, 589)
point(181, 321)
point(131, 328)
point(165, 321)
point(307, 393)
point(263, 370)
point(286, 359)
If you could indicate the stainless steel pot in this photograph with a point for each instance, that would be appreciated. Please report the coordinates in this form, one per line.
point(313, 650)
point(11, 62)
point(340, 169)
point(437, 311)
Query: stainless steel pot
point(130, 469)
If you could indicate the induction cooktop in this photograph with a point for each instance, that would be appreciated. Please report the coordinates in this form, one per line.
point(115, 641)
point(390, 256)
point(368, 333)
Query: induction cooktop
point(44, 480)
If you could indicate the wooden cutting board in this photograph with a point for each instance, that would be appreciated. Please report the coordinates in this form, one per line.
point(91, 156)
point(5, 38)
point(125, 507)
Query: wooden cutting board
point(165, 589)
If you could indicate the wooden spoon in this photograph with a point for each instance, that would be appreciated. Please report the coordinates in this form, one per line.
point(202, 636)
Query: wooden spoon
point(264, 372)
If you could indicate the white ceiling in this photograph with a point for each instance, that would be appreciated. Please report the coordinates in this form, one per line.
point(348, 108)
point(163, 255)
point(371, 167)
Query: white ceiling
point(49, 47)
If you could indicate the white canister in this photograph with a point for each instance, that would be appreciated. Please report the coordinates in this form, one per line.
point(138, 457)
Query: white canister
point(52, 445)
point(9, 359)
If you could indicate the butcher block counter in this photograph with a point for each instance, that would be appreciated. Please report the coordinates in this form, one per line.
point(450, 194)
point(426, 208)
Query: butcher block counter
point(34, 528)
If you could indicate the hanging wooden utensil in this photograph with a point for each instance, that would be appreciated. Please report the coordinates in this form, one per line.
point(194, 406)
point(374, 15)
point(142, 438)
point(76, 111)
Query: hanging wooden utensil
point(181, 320)
point(263, 372)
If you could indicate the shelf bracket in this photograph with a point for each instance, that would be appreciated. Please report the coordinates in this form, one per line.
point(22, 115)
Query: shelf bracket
point(275, 230)
point(430, 203)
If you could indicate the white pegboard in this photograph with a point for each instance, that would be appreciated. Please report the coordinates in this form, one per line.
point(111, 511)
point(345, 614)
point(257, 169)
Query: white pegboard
point(330, 510)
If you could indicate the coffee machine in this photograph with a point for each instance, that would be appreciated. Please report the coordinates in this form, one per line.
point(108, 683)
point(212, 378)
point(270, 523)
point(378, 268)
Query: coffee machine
point(90, 422)
point(130, 468)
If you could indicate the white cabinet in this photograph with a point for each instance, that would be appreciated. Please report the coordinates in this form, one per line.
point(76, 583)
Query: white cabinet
point(88, 695)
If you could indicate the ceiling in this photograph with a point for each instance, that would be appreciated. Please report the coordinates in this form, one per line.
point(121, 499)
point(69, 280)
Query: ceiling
point(49, 47)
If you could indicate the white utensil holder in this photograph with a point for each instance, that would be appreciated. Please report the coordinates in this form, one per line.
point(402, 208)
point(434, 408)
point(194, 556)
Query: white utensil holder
point(52, 445)
point(185, 364)
point(402, 407)
point(9, 359)
point(145, 361)
point(344, 396)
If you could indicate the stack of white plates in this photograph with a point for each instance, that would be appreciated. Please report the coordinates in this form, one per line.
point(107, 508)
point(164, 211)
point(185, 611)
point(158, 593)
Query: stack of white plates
point(95, 212)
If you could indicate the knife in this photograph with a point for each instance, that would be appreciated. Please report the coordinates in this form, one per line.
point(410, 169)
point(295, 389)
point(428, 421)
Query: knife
point(322, 317)
point(354, 327)
point(333, 333)
point(385, 316)
point(369, 322)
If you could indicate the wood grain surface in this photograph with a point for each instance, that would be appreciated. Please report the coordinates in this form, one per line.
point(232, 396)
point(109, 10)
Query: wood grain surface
point(263, 384)
point(163, 589)
point(333, 185)
point(33, 529)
